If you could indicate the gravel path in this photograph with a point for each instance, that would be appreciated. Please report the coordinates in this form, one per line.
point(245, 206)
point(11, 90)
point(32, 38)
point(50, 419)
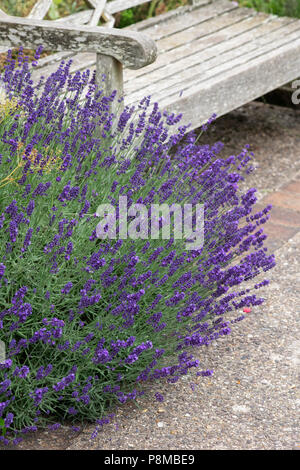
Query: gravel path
point(273, 134)
point(251, 400)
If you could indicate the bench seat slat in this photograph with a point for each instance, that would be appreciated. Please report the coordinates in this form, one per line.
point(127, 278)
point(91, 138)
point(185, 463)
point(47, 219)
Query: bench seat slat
point(208, 32)
point(215, 69)
point(80, 61)
point(76, 19)
point(187, 19)
point(207, 26)
point(204, 54)
point(120, 5)
point(214, 61)
point(140, 78)
point(164, 18)
point(249, 81)
point(224, 42)
point(51, 61)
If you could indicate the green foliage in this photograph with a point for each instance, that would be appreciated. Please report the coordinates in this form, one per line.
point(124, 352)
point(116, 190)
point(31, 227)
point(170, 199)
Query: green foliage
point(2, 427)
point(126, 18)
point(276, 7)
point(17, 8)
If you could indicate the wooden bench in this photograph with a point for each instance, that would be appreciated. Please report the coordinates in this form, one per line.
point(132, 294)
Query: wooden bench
point(210, 56)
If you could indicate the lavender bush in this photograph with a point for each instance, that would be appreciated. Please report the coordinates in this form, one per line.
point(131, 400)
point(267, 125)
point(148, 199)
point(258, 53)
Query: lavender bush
point(86, 321)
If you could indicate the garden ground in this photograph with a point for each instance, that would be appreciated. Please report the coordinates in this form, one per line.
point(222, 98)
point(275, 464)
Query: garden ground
point(251, 400)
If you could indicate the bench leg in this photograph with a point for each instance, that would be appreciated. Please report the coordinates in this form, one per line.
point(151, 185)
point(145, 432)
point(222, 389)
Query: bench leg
point(109, 77)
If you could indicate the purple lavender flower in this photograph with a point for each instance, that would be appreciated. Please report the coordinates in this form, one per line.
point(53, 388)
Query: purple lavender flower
point(119, 307)
point(159, 397)
point(66, 289)
point(205, 373)
point(8, 420)
point(2, 270)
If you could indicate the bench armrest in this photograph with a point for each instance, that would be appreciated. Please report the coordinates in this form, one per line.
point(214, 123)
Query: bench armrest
point(133, 49)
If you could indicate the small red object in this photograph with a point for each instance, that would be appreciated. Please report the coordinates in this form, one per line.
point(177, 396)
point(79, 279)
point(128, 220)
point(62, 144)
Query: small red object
point(247, 310)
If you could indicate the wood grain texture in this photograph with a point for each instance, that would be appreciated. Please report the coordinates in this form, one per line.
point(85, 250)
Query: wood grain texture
point(139, 78)
point(40, 9)
point(211, 52)
point(211, 32)
point(170, 21)
point(97, 13)
point(108, 18)
point(120, 5)
point(270, 36)
point(109, 77)
point(76, 19)
point(237, 87)
point(53, 59)
point(132, 49)
point(3, 15)
point(200, 2)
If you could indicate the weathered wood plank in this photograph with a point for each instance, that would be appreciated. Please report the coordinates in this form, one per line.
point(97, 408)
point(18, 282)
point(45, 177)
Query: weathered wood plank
point(273, 39)
point(53, 59)
point(249, 81)
point(121, 5)
point(40, 9)
point(76, 19)
point(215, 48)
point(110, 19)
point(190, 29)
point(214, 57)
point(216, 60)
point(99, 8)
point(211, 32)
point(132, 49)
point(153, 22)
point(3, 14)
point(150, 23)
point(230, 62)
point(187, 19)
point(199, 2)
point(83, 61)
point(109, 77)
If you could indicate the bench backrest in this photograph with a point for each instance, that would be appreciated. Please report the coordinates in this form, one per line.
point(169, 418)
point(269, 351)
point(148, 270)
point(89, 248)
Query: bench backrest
point(99, 8)
point(91, 16)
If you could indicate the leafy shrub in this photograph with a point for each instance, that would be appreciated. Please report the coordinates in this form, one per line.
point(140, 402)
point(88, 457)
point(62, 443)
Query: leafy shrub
point(87, 320)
